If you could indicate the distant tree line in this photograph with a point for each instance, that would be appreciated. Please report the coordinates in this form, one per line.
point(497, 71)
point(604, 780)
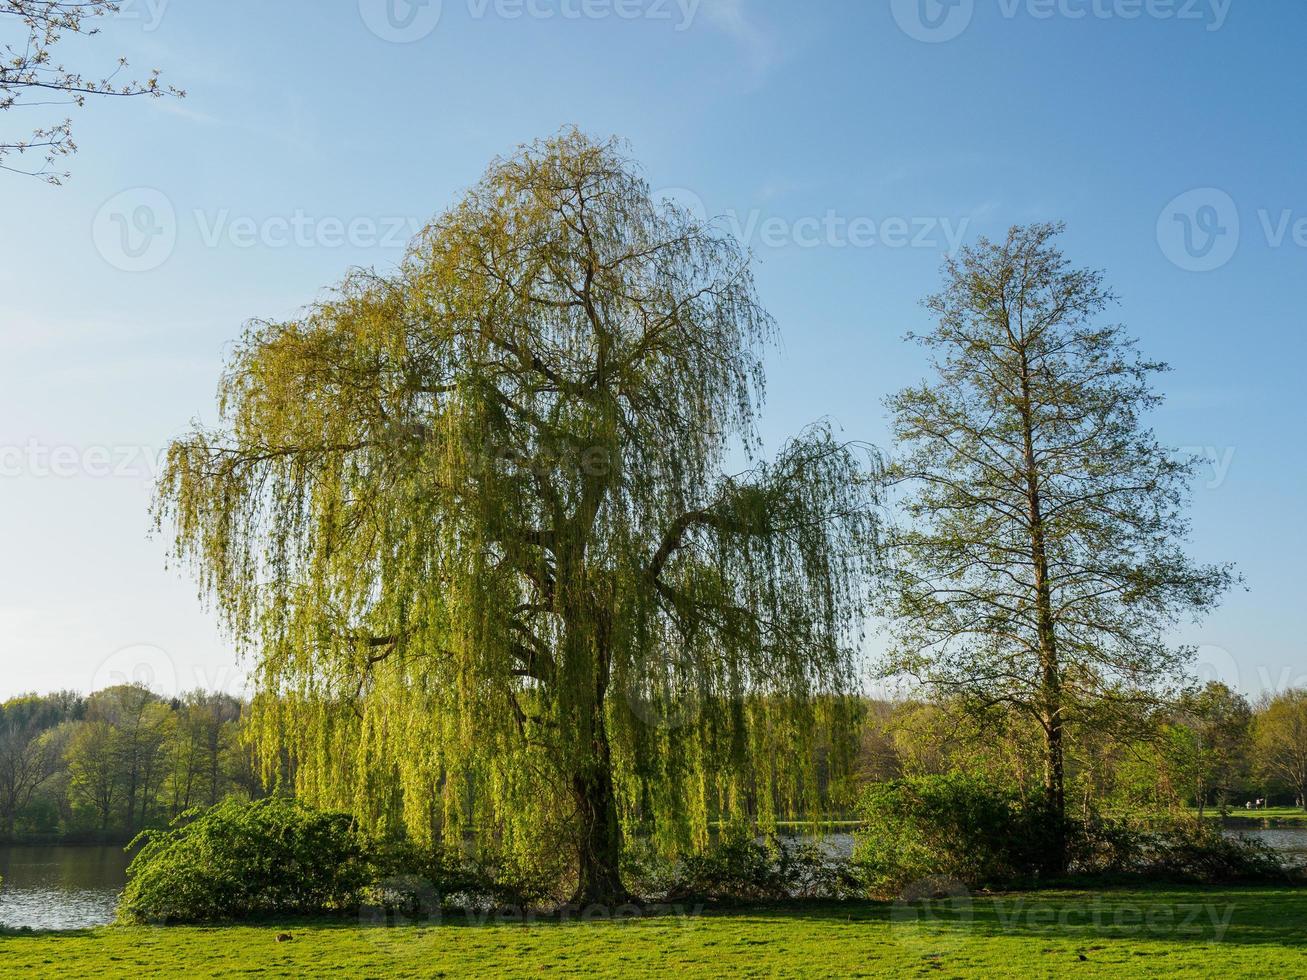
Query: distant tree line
point(110, 764)
point(107, 765)
point(1208, 748)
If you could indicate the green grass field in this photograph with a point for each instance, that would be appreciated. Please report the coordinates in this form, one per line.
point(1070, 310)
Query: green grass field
point(1148, 933)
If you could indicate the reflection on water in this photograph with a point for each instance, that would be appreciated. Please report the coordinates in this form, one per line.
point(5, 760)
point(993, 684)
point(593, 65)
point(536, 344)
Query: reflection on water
point(1291, 842)
point(60, 887)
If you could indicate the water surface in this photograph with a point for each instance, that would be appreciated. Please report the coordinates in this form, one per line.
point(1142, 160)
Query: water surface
point(60, 887)
point(1291, 842)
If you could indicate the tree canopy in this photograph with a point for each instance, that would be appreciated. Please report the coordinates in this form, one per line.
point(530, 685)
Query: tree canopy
point(1043, 567)
point(476, 520)
point(1281, 738)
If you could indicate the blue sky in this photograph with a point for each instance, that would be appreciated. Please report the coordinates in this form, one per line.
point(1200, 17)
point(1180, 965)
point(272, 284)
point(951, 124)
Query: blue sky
point(850, 143)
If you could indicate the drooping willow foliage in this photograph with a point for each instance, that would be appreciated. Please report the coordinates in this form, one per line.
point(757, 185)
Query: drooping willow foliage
point(471, 519)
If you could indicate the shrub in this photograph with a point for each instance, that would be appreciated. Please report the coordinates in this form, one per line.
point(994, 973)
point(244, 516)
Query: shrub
point(236, 860)
point(1103, 845)
point(965, 828)
point(530, 880)
point(411, 880)
point(956, 826)
point(1201, 853)
point(415, 883)
point(740, 866)
point(809, 870)
point(737, 866)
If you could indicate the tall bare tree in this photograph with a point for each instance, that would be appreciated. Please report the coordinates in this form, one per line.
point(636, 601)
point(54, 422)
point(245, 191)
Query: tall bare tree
point(1042, 567)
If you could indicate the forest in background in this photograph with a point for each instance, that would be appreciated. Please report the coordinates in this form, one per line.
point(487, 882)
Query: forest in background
point(105, 766)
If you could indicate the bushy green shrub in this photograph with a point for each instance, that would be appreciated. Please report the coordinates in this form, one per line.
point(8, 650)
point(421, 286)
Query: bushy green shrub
point(414, 881)
point(1201, 853)
point(236, 860)
point(531, 880)
point(740, 866)
point(966, 828)
point(956, 826)
point(809, 870)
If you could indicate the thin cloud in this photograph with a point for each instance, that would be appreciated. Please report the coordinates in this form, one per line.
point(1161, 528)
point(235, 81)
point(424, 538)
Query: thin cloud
point(175, 108)
point(759, 44)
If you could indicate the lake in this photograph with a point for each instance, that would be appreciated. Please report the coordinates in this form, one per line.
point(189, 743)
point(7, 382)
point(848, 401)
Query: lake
point(67, 887)
point(60, 887)
point(1290, 841)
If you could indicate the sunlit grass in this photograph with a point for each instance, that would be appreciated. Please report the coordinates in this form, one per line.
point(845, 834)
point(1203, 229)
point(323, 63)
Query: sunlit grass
point(1162, 932)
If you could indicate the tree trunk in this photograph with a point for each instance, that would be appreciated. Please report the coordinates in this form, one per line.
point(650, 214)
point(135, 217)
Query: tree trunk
point(1051, 695)
point(1050, 680)
point(1055, 860)
point(599, 845)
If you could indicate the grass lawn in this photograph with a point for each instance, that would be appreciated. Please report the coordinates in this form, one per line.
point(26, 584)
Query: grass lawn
point(1149, 933)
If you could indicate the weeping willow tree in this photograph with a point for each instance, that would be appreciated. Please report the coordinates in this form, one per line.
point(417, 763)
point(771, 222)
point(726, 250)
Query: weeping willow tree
point(473, 521)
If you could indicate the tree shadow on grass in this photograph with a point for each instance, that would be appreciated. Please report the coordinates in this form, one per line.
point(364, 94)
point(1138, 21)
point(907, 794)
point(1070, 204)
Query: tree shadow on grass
point(1246, 915)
